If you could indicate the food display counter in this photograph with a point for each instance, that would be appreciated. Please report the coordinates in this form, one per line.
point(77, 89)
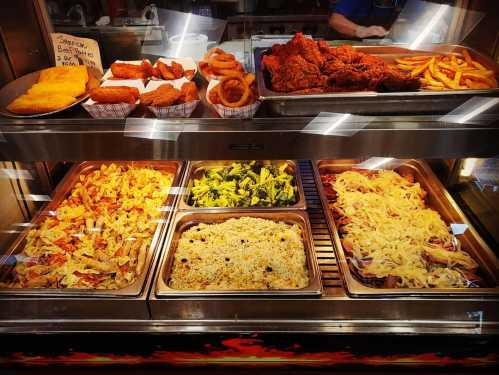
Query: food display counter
point(238, 226)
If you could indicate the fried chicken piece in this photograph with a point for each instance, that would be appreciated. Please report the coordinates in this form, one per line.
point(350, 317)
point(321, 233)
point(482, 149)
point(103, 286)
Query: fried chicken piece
point(297, 74)
point(189, 92)
point(167, 97)
point(305, 66)
point(395, 80)
point(166, 71)
point(189, 74)
point(164, 96)
point(115, 94)
point(130, 71)
point(147, 68)
point(351, 70)
point(177, 70)
point(299, 45)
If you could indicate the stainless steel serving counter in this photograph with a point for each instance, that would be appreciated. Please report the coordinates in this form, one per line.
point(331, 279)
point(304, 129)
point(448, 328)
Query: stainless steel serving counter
point(333, 312)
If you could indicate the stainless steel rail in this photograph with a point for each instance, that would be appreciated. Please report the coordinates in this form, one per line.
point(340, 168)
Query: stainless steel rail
point(262, 138)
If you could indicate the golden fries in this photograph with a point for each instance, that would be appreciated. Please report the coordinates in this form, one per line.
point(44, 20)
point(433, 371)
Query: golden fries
point(452, 72)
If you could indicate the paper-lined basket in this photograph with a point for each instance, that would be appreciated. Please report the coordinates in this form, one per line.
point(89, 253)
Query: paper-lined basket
point(173, 111)
point(245, 112)
point(119, 110)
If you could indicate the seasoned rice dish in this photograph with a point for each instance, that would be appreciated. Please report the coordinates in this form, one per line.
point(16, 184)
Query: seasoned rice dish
point(245, 253)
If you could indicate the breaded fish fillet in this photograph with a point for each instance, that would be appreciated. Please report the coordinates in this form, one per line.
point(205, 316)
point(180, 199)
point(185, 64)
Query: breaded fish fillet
point(30, 104)
point(64, 73)
point(72, 88)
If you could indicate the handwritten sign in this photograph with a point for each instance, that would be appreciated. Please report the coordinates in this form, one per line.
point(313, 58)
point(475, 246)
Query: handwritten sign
point(71, 50)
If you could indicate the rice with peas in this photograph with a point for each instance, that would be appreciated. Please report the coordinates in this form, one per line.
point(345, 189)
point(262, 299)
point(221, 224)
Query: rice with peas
point(244, 253)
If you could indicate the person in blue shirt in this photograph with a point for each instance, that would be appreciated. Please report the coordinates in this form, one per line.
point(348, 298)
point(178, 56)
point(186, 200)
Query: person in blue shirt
point(364, 18)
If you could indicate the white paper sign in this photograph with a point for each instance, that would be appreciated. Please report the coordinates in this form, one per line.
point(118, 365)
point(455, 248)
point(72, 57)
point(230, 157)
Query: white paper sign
point(71, 50)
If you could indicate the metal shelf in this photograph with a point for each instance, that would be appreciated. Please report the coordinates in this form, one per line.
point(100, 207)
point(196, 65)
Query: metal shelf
point(267, 138)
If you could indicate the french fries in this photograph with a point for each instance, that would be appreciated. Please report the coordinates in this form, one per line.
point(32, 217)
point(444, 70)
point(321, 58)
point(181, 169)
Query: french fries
point(452, 72)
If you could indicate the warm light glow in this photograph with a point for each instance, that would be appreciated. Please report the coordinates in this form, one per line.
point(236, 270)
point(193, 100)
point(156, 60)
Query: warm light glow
point(182, 36)
point(337, 123)
point(468, 167)
point(491, 102)
point(374, 163)
point(15, 174)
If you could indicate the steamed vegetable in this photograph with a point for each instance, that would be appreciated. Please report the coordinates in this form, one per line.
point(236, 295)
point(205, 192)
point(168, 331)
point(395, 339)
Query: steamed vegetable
point(249, 184)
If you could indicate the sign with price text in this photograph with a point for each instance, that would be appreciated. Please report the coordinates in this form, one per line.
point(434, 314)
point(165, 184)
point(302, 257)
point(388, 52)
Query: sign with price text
point(71, 50)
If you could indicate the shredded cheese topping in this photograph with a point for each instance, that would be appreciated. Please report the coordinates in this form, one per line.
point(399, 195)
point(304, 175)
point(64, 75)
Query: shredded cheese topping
point(389, 231)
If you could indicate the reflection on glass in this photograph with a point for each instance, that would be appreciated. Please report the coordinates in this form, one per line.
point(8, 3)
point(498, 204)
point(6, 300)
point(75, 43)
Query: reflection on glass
point(34, 197)
point(15, 174)
point(337, 124)
point(375, 163)
point(430, 26)
point(477, 110)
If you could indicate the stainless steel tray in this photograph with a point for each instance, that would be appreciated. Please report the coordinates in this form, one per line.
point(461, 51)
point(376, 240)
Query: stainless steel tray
point(368, 102)
point(60, 193)
point(438, 199)
point(185, 220)
point(196, 168)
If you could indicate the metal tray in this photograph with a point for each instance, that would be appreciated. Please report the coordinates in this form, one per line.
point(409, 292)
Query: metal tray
point(196, 168)
point(60, 193)
point(438, 199)
point(21, 85)
point(369, 102)
point(185, 220)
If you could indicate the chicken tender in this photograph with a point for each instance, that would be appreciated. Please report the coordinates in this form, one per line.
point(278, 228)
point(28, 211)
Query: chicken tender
point(167, 96)
point(130, 71)
point(189, 92)
point(30, 104)
point(177, 69)
point(165, 71)
point(115, 94)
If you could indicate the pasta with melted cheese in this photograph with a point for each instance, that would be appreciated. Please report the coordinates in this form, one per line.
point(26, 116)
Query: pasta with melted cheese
point(100, 235)
point(390, 234)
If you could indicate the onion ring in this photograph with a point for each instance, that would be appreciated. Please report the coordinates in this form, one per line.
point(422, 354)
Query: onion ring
point(249, 78)
point(213, 51)
point(244, 97)
point(220, 64)
point(227, 72)
point(225, 57)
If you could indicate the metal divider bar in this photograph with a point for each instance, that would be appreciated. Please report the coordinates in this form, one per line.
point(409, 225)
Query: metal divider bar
point(320, 233)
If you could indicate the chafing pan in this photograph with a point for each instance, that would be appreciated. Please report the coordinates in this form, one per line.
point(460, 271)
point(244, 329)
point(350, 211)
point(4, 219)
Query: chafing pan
point(369, 102)
point(185, 220)
point(61, 192)
point(438, 199)
point(195, 170)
